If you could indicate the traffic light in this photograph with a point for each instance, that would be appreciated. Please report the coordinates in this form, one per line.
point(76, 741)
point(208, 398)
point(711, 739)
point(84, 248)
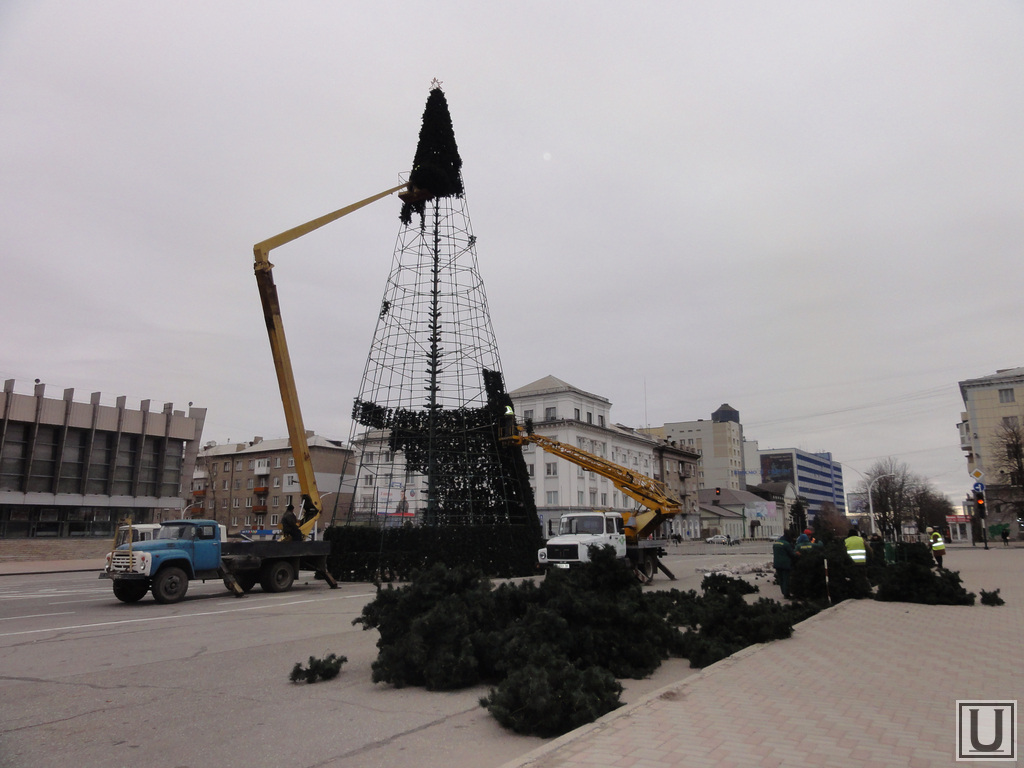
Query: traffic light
point(718, 491)
point(979, 504)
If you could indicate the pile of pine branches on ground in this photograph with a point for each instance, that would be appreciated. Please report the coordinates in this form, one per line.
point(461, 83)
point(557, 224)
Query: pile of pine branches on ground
point(827, 574)
point(553, 651)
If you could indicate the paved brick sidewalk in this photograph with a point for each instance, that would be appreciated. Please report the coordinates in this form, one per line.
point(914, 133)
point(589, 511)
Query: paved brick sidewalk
point(863, 684)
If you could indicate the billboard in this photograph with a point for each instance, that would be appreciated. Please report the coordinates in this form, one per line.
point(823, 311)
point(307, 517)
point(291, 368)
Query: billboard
point(778, 468)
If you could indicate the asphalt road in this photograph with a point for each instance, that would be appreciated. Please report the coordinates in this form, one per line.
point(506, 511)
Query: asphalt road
point(88, 680)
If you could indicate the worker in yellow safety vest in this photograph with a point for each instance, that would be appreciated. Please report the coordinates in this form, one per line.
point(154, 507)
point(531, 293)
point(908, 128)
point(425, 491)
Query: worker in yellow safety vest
point(856, 548)
point(938, 545)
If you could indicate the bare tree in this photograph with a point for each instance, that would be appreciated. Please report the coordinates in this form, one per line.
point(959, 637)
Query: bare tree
point(1007, 454)
point(929, 507)
point(891, 485)
point(830, 522)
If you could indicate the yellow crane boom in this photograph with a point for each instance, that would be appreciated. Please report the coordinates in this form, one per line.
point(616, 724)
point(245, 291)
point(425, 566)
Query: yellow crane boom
point(311, 502)
point(653, 494)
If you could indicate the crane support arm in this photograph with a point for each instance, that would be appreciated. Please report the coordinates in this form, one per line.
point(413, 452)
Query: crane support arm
point(653, 494)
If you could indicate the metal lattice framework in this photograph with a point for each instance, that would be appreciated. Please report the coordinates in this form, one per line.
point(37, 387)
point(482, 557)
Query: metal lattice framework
point(434, 333)
point(425, 421)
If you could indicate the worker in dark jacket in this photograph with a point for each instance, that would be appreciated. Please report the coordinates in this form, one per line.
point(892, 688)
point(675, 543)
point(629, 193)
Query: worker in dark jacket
point(783, 555)
point(290, 525)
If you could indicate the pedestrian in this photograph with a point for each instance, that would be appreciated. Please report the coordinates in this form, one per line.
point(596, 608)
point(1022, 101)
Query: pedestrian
point(938, 546)
point(804, 542)
point(856, 548)
point(1005, 533)
point(876, 548)
point(783, 556)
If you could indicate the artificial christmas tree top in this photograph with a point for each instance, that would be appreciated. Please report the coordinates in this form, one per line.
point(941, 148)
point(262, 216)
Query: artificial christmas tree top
point(436, 167)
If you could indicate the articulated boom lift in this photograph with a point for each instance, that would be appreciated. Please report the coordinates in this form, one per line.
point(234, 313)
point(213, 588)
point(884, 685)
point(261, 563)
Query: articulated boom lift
point(652, 494)
point(312, 504)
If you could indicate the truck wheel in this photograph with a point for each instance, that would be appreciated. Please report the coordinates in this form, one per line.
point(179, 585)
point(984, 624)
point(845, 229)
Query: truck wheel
point(130, 591)
point(170, 585)
point(277, 576)
point(246, 581)
point(644, 569)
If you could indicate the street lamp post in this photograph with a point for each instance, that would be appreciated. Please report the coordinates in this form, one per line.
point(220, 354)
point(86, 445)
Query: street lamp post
point(871, 502)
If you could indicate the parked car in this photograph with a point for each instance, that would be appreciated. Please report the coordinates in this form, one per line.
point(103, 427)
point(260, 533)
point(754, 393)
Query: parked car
point(721, 539)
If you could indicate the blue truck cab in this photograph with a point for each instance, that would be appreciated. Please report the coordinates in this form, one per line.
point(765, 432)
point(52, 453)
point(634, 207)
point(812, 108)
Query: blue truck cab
point(182, 550)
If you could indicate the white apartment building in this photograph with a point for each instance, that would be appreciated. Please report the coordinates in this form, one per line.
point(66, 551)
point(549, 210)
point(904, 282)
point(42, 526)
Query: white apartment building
point(990, 402)
point(571, 415)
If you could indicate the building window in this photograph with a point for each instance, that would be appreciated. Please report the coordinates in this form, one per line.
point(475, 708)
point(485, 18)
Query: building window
point(1006, 396)
point(579, 498)
point(593, 498)
point(234, 521)
point(277, 482)
point(550, 414)
point(590, 417)
point(528, 414)
point(252, 463)
point(1010, 422)
point(291, 461)
point(238, 465)
point(552, 497)
point(248, 502)
point(529, 470)
point(227, 466)
point(576, 414)
point(249, 484)
point(551, 469)
point(604, 499)
point(225, 485)
point(368, 480)
point(235, 504)
point(277, 462)
point(274, 519)
point(600, 421)
point(275, 501)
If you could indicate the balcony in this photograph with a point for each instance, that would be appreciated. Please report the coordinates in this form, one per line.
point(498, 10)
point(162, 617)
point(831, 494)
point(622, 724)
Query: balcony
point(262, 490)
point(199, 493)
point(260, 509)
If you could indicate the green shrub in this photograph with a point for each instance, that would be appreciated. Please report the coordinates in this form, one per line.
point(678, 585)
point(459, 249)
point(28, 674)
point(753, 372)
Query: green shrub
point(912, 582)
point(554, 649)
point(326, 668)
point(427, 628)
point(846, 580)
point(722, 622)
point(991, 598)
point(552, 698)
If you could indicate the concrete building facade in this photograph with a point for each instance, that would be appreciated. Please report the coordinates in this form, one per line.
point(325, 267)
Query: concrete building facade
point(719, 443)
point(76, 469)
point(990, 403)
point(248, 486)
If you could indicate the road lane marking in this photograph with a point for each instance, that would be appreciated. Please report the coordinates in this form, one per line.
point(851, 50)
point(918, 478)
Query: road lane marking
point(38, 615)
point(178, 616)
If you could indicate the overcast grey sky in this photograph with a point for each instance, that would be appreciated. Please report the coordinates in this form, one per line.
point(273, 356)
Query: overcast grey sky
point(810, 211)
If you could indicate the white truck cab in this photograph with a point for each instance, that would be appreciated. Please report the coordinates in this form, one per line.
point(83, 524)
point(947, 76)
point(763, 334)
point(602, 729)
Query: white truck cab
point(577, 532)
